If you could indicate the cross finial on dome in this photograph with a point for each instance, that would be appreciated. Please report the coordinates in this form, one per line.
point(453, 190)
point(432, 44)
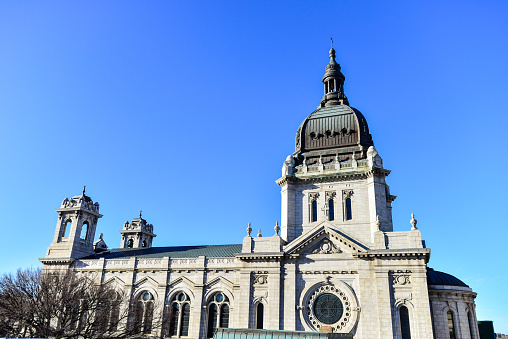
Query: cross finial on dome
point(331, 38)
point(140, 213)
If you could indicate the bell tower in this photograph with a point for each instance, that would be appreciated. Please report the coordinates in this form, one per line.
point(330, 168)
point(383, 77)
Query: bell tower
point(137, 234)
point(75, 229)
point(335, 176)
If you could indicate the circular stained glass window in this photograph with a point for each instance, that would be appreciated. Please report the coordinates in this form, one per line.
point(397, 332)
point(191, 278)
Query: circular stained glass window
point(147, 296)
point(219, 297)
point(328, 308)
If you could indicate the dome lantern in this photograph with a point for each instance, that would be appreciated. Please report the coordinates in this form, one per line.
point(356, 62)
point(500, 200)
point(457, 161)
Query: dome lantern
point(333, 82)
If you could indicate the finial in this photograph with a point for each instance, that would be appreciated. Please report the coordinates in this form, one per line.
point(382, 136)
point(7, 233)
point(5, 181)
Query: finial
point(331, 38)
point(277, 227)
point(378, 223)
point(249, 230)
point(413, 222)
point(84, 187)
point(259, 233)
point(140, 214)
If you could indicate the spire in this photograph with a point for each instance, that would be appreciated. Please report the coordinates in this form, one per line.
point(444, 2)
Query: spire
point(333, 81)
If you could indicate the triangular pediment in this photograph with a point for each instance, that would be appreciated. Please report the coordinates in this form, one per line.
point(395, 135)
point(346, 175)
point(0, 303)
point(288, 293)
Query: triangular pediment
point(218, 282)
point(146, 281)
point(114, 282)
point(181, 280)
point(325, 239)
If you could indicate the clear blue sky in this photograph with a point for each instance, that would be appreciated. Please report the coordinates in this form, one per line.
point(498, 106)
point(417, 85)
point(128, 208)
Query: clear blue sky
point(186, 110)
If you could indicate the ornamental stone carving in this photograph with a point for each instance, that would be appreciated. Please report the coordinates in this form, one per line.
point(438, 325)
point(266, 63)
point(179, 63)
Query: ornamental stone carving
point(401, 279)
point(347, 194)
point(330, 195)
point(326, 247)
point(260, 279)
point(313, 196)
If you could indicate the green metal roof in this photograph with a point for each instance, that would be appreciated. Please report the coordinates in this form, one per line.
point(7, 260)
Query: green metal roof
point(172, 252)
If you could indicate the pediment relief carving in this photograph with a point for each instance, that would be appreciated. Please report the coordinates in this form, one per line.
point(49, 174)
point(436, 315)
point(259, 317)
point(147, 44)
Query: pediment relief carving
point(325, 246)
point(313, 240)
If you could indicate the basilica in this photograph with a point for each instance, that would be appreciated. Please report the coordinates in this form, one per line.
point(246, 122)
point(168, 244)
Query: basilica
point(334, 264)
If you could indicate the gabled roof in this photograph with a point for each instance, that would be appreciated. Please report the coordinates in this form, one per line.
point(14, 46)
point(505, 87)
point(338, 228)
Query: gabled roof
point(172, 252)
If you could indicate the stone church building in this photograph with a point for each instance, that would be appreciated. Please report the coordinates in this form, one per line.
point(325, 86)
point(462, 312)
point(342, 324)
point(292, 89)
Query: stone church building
point(333, 264)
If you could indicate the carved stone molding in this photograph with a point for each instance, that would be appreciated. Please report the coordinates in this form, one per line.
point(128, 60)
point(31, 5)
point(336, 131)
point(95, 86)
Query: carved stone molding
point(347, 194)
point(330, 195)
point(401, 279)
point(313, 196)
point(326, 247)
point(260, 279)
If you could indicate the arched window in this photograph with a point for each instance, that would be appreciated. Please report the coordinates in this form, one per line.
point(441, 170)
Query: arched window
point(130, 243)
point(143, 244)
point(405, 328)
point(470, 320)
point(314, 211)
point(348, 210)
point(108, 312)
point(331, 210)
point(451, 327)
point(143, 313)
point(66, 228)
point(114, 311)
point(218, 313)
point(259, 316)
point(178, 316)
point(84, 231)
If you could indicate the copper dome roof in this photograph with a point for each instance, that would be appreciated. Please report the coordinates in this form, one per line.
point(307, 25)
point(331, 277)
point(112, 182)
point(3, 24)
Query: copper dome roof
point(337, 128)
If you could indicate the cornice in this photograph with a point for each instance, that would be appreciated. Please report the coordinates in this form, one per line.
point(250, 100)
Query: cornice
point(56, 261)
point(260, 256)
point(410, 252)
point(336, 176)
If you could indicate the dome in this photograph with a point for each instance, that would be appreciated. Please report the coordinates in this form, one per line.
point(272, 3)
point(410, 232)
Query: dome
point(336, 130)
point(441, 278)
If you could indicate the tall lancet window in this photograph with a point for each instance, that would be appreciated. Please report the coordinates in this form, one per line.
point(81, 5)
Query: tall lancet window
point(405, 328)
point(347, 204)
point(349, 212)
point(313, 206)
point(470, 320)
point(331, 210)
point(451, 326)
point(260, 313)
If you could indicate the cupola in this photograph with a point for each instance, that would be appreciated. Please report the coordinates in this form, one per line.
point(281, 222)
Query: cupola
point(335, 131)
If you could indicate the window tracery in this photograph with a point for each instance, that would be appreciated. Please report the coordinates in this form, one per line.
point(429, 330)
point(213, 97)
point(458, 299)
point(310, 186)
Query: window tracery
point(218, 313)
point(143, 313)
point(178, 311)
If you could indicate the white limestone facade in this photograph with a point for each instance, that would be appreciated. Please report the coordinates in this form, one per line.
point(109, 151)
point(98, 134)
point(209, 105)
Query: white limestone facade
point(333, 264)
